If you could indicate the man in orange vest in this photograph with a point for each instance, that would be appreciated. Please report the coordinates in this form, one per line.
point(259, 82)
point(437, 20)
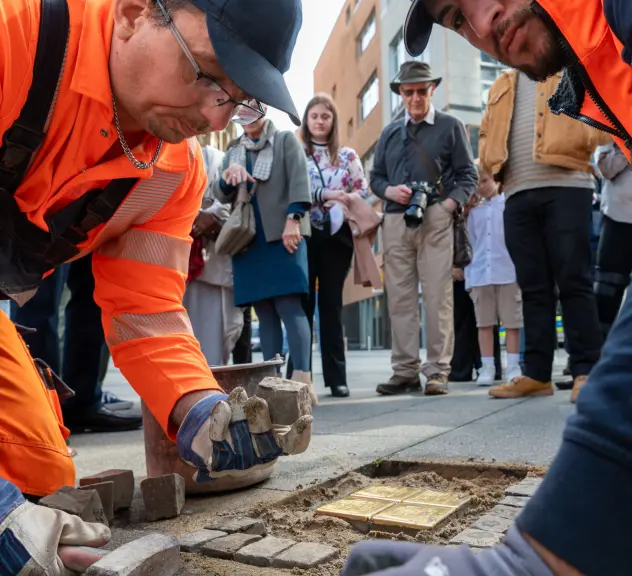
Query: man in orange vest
point(578, 520)
point(99, 104)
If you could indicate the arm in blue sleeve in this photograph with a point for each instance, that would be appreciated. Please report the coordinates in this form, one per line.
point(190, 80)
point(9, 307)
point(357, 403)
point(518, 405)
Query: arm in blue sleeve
point(298, 208)
point(619, 17)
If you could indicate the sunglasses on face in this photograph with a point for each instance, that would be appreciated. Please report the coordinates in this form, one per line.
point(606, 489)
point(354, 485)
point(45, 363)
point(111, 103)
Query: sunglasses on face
point(418, 91)
point(245, 111)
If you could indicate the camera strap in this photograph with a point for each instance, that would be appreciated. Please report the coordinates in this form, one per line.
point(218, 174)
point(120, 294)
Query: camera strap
point(429, 165)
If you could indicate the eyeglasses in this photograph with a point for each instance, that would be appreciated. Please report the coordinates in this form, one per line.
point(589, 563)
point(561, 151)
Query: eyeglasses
point(246, 111)
point(419, 91)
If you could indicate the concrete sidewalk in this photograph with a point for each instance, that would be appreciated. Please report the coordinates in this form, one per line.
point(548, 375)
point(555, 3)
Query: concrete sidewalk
point(467, 424)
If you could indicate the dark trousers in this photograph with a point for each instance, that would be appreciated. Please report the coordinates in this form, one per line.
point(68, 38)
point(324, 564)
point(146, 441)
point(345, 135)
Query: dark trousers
point(83, 332)
point(548, 238)
point(242, 352)
point(614, 266)
point(467, 354)
point(329, 260)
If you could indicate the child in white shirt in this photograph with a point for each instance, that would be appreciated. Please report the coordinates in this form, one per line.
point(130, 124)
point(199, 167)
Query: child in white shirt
point(491, 280)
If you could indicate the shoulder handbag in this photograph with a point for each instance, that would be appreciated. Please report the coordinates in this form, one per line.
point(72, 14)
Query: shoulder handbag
point(239, 229)
point(462, 251)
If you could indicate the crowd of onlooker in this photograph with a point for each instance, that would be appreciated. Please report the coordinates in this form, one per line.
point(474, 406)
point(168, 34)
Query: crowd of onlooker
point(285, 218)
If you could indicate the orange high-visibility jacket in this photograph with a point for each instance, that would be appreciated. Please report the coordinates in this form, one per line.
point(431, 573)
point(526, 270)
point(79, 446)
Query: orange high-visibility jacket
point(599, 66)
point(141, 255)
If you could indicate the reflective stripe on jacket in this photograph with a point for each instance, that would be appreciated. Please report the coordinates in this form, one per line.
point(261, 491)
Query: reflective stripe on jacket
point(140, 255)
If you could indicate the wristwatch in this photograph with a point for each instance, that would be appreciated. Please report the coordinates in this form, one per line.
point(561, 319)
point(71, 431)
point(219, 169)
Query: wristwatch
point(294, 216)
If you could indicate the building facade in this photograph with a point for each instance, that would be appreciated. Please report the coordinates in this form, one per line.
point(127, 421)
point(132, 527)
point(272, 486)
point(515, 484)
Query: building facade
point(372, 31)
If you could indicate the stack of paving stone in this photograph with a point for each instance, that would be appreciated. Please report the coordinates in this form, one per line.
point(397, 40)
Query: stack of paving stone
point(245, 540)
point(490, 528)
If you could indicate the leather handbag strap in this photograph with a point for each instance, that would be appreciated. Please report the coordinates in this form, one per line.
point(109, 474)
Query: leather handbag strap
point(22, 140)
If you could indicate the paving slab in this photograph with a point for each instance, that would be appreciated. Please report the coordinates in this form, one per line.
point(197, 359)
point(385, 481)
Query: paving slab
point(477, 538)
point(493, 523)
point(193, 541)
point(226, 546)
point(529, 432)
point(305, 555)
point(147, 556)
point(508, 512)
point(234, 525)
point(515, 501)
point(263, 552)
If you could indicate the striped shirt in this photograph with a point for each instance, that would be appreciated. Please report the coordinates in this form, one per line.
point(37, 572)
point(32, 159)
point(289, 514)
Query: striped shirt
point(521, 171)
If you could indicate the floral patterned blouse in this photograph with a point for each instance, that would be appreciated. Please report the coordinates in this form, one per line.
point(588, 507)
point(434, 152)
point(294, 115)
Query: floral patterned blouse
point(348, 176)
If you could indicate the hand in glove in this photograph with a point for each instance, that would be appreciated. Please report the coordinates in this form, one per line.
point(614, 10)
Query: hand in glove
point(515, 557)
point(36, 541)
point(233, 435)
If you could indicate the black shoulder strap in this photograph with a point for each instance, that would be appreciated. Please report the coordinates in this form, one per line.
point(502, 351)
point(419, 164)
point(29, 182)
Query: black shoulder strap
point(26, 134)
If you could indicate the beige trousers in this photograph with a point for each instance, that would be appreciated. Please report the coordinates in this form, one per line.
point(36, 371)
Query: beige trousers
point(411, 256)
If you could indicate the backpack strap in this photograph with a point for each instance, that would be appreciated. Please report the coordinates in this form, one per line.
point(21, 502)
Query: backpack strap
point(24, 137)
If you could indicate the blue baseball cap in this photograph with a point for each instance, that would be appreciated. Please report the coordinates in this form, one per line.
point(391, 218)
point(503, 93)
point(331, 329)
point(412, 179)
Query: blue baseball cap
point(418, 28)
point(253, 41)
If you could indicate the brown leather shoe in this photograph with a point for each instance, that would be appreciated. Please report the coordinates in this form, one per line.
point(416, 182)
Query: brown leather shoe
point(399, 385)
point(522, 387)
point(437, 385)
point(578, 384)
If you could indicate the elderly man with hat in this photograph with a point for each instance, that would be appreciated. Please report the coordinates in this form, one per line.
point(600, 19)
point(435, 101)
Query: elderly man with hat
point(431, 147)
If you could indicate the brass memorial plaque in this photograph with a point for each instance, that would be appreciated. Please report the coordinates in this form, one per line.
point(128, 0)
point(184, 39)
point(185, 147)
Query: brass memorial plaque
point(353, 508)
point(390, 493)
point(449, 499)
point(412, 516)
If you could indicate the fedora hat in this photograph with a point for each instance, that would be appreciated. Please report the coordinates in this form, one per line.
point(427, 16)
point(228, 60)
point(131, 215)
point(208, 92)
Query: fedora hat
point(412, 73)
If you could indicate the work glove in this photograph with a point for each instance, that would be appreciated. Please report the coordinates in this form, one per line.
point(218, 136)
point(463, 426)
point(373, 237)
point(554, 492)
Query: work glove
point(515, 557)
point(234, 435)
point(37, 541)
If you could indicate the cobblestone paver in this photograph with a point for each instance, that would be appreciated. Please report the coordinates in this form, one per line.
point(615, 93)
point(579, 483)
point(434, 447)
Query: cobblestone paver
point(305, 555)
point(489, 529)
point(262, 553)
point(195, 540)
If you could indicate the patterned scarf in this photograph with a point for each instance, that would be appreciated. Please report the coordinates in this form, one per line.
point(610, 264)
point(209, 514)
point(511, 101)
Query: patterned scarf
point(265, 146)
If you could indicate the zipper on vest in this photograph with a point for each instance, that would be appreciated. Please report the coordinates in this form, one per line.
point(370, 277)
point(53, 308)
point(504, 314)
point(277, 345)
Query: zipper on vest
point(619, 130)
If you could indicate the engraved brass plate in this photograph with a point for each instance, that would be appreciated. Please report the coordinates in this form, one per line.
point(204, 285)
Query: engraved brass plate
point(390, 493)
point(413, 516)
point(449, 499)
point(353, 508)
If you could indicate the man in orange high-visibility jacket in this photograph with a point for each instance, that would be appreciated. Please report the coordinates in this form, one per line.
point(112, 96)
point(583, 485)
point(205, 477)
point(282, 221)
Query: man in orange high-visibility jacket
point(577, 522)
point(140, 79)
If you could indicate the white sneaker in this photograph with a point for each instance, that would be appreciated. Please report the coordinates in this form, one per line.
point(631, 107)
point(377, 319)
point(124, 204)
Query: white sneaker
point(486, 375)
point(512, 372)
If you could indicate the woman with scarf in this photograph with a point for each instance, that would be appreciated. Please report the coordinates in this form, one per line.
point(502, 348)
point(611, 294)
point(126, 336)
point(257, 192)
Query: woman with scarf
point(271, 274)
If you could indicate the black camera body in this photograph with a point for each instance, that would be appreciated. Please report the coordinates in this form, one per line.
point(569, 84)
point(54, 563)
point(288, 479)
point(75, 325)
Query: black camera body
point(423, 195)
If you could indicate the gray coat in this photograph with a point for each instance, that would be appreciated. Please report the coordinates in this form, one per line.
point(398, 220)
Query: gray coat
point(288, 183)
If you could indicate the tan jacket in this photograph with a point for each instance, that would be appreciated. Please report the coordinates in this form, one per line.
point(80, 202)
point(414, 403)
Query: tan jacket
point(364, 223)
point(559, 140)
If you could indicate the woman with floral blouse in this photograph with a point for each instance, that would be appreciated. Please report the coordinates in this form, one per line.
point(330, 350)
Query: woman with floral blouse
point(335, 173)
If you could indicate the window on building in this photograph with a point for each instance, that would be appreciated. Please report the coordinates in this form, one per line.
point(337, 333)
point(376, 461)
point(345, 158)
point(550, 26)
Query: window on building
point(350, 128)
point(397, 56)
point(369, 97)
point(367, 34)
point(490, 70)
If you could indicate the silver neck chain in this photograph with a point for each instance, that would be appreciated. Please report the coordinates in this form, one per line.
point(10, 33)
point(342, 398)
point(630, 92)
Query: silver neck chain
point(130, 156)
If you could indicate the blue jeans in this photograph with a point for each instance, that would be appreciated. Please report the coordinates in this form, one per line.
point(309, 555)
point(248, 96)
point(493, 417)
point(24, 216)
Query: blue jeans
point(83, 333)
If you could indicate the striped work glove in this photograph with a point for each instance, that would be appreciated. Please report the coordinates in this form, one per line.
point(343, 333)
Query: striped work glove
point(39, 541)
point(234, 435)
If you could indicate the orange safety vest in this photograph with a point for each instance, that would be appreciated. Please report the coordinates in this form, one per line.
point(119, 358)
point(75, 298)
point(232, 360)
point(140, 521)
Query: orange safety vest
point(597, 65)
point(141, 254)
